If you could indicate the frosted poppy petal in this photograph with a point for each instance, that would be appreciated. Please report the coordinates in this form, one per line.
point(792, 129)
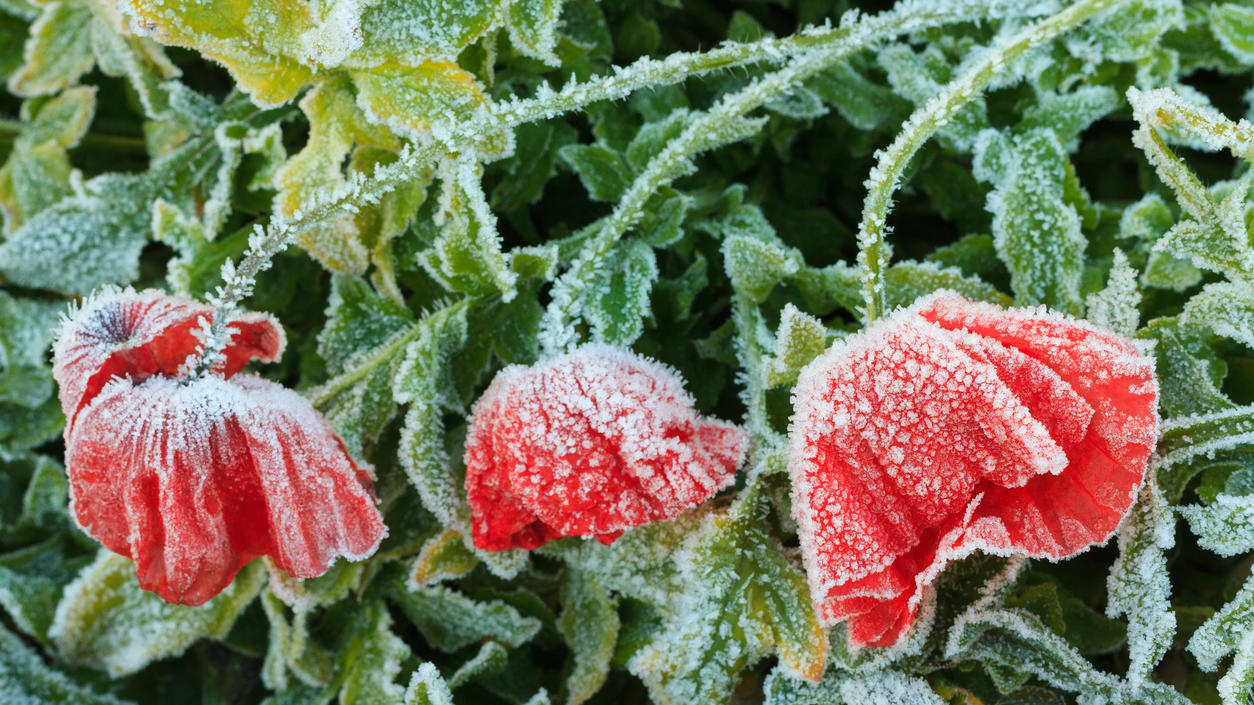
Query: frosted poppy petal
point(124, 333)
point(954, 426)
point(588, 444)
point(193, 480)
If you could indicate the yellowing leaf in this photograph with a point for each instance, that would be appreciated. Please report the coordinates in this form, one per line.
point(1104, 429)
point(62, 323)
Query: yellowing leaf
point(258, 41)
point(37, 173)
point(411, 31)
point(413, 100)
point(335, 125)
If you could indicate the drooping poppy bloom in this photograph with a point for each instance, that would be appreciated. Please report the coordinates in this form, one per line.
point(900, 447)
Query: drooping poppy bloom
point(954, 426)
point(590, 443)
point(194, 478)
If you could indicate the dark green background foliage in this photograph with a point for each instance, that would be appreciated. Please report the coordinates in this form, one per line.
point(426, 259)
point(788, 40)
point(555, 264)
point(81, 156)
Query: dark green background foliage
point(129, 163)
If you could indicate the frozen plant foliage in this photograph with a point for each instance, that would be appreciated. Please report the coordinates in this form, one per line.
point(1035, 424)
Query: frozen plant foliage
point(193, 480)
point(589, 443)
point(953, 427)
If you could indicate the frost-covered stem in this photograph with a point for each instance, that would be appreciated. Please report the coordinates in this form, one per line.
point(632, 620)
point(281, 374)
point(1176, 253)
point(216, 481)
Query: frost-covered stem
point(1163, 107)
point(266, 242)
point(905, 17)
point(873, 251)
point(1190, 192)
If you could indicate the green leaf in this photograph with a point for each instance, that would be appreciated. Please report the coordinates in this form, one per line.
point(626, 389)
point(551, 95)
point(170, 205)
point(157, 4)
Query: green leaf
point(24, 678)
point(443, 557)
point(490, 660)
point(105, 620)
point(1233, 25)
point(742, 601)
point(450, 621)
point(1228, 631)
point(1116, 306)
point(409, 31)
point(617, 299)
point(799, 339)
point(1036, 231)
point(590, 625)
point(1069, 114)
point(31, 581)
point(466, 255)
point(755, 266)
point(863, 103)
point(1227, 309)
point(37, 173)
point(372, 660)
point(1185, 437)
point(1139, 585)
point(426, 687)
point(604, 173)
point(907, 281)
point(533, 25)
point(94, 237)
point(1225, 526)
point(58, 50)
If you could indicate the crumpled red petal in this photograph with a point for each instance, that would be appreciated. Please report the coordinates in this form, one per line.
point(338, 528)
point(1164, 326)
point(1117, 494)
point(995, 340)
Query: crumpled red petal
point(955, 426)
point(590, 443)
point(194, 480)
point(124, 333)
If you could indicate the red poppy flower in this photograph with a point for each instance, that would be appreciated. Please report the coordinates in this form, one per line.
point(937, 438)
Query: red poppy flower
point(589, 443)
point(193, 479)
point(952, 427)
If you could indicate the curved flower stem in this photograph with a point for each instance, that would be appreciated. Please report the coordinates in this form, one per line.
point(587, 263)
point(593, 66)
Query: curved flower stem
point(873, 251)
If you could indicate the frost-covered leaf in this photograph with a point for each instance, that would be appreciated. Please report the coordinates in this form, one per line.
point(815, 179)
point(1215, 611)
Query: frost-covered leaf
point(58, 50)
point(423, 382)
point(888, 687)
point(412, 99)
point(1139, 586)
point(258, 42)
point(466, 254)
point(1227, 632)
point(426, 687)
point(25, 679)
point(95, 236)
point(292, 649)
point(1233, 25)
point(604, 172)
point(31, 581)
point(443, 557)
point(490, 660)
point(1035, 229)
point(1227, 309)
point(590, 625)
point(450, 620)
point(1184, 437)
point(335, 126)
point(617, 300)
point(533, 26)
point(1115, 307)
point(743, 600)
point(1069, 114)
point(1225, 526)
point(26, 329)
point(907, 281)
point(799, 339)
point(105, 620)
point(755, 266)
point(70, 37)
point(372, 660)
point(919, 77)
point(1130, 32)
point(409, 31)
point(860, 101)
point(37, 173)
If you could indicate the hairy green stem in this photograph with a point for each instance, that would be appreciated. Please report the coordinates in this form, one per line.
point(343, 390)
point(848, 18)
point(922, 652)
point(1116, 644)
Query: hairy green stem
point(873, 251)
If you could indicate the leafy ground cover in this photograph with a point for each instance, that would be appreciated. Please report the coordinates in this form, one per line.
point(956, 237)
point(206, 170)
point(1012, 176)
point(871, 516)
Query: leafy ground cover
point(423, 192)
